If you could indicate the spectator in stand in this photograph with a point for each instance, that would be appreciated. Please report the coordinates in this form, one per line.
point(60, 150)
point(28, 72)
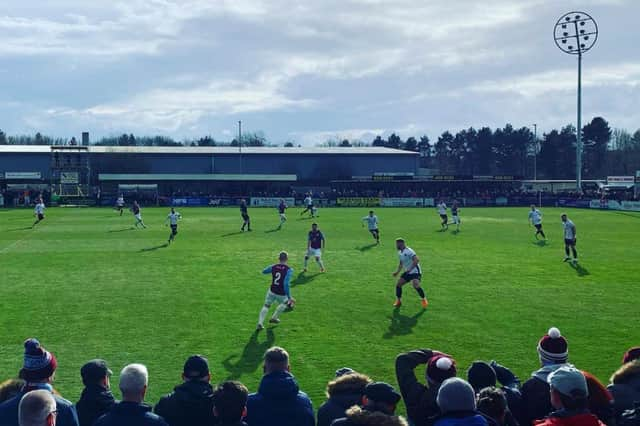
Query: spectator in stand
point(10, 388)
point(569, 396)
point(492, 404)
point(378, 408)
point(279, 401)
point(420, 399)
point(96, 398)
point(190, 403)
point(482, 375)
point(38, 372)
point(600, 400)
point(37, 408)
point(625, 383)
point(132, 411)
point(230, 404)
point(345, 391)
point(553, 351)
point(457, 402)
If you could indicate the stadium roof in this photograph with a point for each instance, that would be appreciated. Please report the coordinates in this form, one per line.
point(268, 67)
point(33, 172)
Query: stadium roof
point(212, 150)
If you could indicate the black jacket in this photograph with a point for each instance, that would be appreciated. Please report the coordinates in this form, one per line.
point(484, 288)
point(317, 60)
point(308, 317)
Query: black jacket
point(357, 416)
point(536, 399)
point(625, 388)
point(190, 404)
point(94, 402)
point(130, 414)
point(419, 399)
point(344, 393)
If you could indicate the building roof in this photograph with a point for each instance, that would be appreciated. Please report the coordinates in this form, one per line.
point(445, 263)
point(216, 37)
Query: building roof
point(29, 149)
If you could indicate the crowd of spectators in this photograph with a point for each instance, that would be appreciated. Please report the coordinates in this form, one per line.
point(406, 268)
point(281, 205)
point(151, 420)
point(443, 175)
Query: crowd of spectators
point(488, 394)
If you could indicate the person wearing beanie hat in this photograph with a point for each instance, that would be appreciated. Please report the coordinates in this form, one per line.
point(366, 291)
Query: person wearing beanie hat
point(553, 353)
point(633, 354)
point(38, 371)
point(482, 375)
point(457, 402)
point(569, 394)
point(419, 398)
point(378, 407)
point(625, 387)
point(345, 391)
point(191, 402)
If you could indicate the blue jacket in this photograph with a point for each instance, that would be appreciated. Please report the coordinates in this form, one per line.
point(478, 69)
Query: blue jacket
point(279, 402)
point(66, 411)
point(130, 414)
point(470, 419)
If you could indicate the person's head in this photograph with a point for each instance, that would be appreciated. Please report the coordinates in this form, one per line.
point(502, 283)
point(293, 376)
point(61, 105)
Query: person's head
point(456, 395)
point(400, 244)
point(569, 389)
point(96, 373)
point(439, 369)
point(276, 359)
point(37, 408)
point(230, 402)
point(10, 388)
point(134, 379)
point(533, 207)
point(371, 213)
point(492, 402)
point(563, 217)
point(243, 202)
point(380, 396)
point(196, 368)
point(283, 257)
point(553, 348)
point(481, 375)
point(633, 354)
point(347, 381)
point(39, 364)
point(314, 227)
point(173, 210)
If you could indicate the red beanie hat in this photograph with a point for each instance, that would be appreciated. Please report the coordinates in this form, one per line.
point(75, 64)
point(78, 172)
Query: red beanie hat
point(440, 368)
point(553, 347)
point(39, 364)
point(631, 355)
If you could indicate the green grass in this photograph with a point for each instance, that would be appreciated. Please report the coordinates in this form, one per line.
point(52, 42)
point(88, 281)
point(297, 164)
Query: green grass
point(87, 286)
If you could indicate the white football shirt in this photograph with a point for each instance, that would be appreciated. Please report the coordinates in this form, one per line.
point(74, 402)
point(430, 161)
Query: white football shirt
point(569, 230)
point(40, 208)
point(372, 222)
point(173, 218)
point(406, 259)
point(442, 208)
point(535, 216)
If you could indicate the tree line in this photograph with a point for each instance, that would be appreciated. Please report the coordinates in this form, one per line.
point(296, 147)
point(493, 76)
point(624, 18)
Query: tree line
point(484, 151)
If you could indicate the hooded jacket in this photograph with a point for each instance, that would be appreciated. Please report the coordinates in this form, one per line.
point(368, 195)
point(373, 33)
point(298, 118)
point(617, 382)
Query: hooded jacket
point(536, 399)
point(190, 404)
point(94, 402)
point(564, 418)
point(343, 393)
point(356, 416)
point(279, 402)
point(625, 387)
point(67, 415)
point(130, 414)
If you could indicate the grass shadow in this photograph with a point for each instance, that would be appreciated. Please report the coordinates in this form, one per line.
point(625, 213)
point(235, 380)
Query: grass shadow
point(272, 230)
point(367, 247)
point(121, 230)
point(20, 229)
point(402, 325)
point(580, 270)
point(154, 248)
point(540, 243)
point(231, 234)
point(251, 357)
point(303, 279)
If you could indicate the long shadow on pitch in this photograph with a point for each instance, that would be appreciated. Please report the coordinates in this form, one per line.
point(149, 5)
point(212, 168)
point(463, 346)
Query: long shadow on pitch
point(20, 229)
point(401, 325)
point(303, 279)
point(580, 270)
point(272, 230)
point(367, 247)
point(154, 248)
point(231, 234)
point(540, 243)
point(121, 230)
point(251, 357)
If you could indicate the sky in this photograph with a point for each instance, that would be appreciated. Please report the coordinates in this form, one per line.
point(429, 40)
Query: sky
point(308, 71)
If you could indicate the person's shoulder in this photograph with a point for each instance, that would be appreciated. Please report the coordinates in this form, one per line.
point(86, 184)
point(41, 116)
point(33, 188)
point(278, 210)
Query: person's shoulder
point(152, 419)
point(60, 401)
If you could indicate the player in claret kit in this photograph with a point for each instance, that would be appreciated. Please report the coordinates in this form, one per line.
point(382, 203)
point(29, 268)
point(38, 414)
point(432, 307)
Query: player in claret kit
point(535, 218)
point(172, 220)
point(315, 244)
point(282, 211)
point(244, 212)
point(372, 224)
point(135, 209)
point(455, 215)
point(410, 263)
point(39, 212)
point(278, 292)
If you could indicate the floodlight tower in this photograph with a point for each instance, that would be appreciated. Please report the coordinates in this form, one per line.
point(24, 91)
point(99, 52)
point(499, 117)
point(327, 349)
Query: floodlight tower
point(576, 33)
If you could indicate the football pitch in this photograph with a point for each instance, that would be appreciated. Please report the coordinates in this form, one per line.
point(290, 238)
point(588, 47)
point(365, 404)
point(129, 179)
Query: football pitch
point(88, 285)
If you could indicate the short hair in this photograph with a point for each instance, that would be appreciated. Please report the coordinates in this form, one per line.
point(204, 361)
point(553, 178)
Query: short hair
point(35, 407)
point(283, 255)
point(133, 379)
point(229, 401)
point(399, 240)
point(492, 402)
point(276, 359)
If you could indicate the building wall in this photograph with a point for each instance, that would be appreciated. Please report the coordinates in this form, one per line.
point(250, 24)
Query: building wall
point(26, 162)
